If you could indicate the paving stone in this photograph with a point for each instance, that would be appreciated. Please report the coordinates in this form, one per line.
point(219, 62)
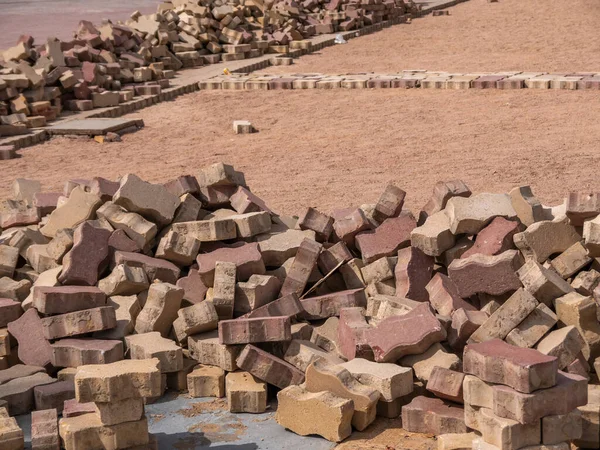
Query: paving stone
point(289, 306)
point(505, 434)
point(586, 281)
point(79, 322)
point(444, 296)
point(320, 223)
point(544, 238)
point(124, 280)
point(153, 345)
point(346, 228)
point(591, 236)
point(332, 257)
point(79, 207)
point(38, 258)
point(79, 352)
point(206, 349)
point(6, 342)
point(337, 380)
point(160, 310)
point(18, 393)
point(220, 174)
point(409, 334)
point(118, 381)
point(495, 238)
point(65, 299)
point(277, 247)
point(539, 322)
point(457, 441)
point(478, 393)
point(470, 215)
point(128, 410)
point(16, 290)
point(442, 192)
point(582, 206)
point(119, 241)
point(326, 335)
point(432, 416)
point(446, 384)
point(557, 429)
point(87, 431)
point(524, 370)
point(28, 331)
point(10, 311)
point(544, 284)
point(569, 393)
point(18, 371)
point(245, 393)
point(389, 204)
point(269, 368)
point(73, 408)
point(140, 230)
point(464, 323)
point(88, 258)
point(249, 331)
point(390, 380)
point(246, 257)
point(53, 395)
point(392, 235)
point(194, 288)
point(301, 353)
point(352, 329)
point(11, 435)
point(528, 207)
point(564, 343)
point(299, 273)
point(8, 260)
point(258, 291)
point(435, 356)
point(206, 381)
point(60, 244)
point(413, 272)
point(380, 307)
point(44, 430)
point(571, 260)
point(156, 269)
point(322, 413)
point(581, 312)
point(506, 318)
point(330, 305)
point(433, 237)
point(195, 319)
point(244, 201)
point(224, 289)
point(152, 201)
point(590, 423)
point(494, 275)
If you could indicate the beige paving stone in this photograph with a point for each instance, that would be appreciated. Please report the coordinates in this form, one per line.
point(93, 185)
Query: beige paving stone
point(113, 413)
point(195, 319)
point(160, 310)
point(179, 249)
point(544, 238)
point(206, 349)
point(80, 206)
point(434, 236)
point(206, 381)
point(124, 280)
point(207, 230)
point(258, 291)
point(153, 345)
point(533, 327)
point(224, 289)
point(544, 284)
point(435, 356)
point(245, 393)
point(571, 260)
point(581, 312)
point(390, 380)
point(140, 230)
point(470, 215)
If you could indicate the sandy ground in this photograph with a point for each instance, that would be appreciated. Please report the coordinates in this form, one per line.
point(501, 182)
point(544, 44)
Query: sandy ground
point(331, 149)
point(532, 35)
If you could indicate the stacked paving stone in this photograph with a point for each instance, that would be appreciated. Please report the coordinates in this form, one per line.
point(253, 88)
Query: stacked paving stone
point(475, 320)
point(106, 65)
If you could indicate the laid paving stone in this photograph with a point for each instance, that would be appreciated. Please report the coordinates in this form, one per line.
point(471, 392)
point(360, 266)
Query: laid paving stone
point(258, 291)
point(544, 284)
point(53, 395)
point(249, 331)
point(140, 230)
point(322, 413)
point(569, 393)
point(524, 370)
point(269, 368)
point(152, 201)
point(571, 260)
point(470, 215)
point(413, 272)
point(118, 381)
point(432, 416)
point(128, 410)
point(424, 363)
point(33, 348)
point(557, 429)
point(245, 393)
point(79, 352)
point(299, 272)
point(79, 207)
point(246, 257)
point(153, 345)
point(494, 275)
point(507, 317)
point(206, 381)
point(411, 333)
point(18, 392)
point(301, 353)
point(390, 380)
point(206, 349)
point(544, 238)
point(195, 319)
point(564, 343)
point(392, 235)
point(79, 322)
point(444, 296)
point(329, 305)
point(339, 381)
point(44, 430)
point(65, 299)
point(446, 384)
point(539, 322)
point(502, 433)
point(352, 329)
point(160, 310)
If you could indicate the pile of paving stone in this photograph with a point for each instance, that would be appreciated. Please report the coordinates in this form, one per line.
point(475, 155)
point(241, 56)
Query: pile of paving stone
point(475, 320)
point(109, 64)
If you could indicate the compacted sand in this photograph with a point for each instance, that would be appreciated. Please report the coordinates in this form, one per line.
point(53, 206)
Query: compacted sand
point(333, 149)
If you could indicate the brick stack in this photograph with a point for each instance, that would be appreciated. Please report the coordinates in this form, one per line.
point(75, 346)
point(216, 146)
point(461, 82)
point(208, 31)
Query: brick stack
point(110, 64)
point(116, 393)
point(479, 313)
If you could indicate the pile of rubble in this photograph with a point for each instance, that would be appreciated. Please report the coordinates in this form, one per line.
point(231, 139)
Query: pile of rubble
point(110, 64)
point(476, 321)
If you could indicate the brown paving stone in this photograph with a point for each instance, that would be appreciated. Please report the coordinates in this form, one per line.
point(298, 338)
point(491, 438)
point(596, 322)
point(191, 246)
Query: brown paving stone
point(248, 331)
point(64, 299)
point(413, 273)
point(34, 349)
point(387, 239)
point(269, 368)
point(432, 416)
point(246, 257)
point(352, 329)
point(329, 305)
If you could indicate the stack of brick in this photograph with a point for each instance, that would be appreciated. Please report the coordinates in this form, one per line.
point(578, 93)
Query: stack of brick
point(116, 393)
point(110, 64)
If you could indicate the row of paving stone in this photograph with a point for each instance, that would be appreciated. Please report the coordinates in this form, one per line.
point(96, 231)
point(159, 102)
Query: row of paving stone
point(423, 79)
point(475, 320)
